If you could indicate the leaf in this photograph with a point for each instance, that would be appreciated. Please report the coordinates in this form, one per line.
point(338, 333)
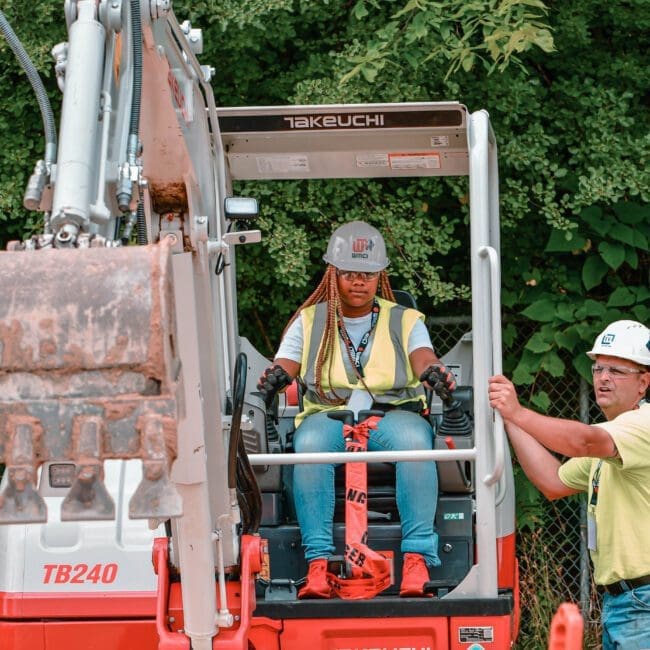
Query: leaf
point(553, 364)
point(508, 335)
point(631, 258)
point(582, 363)
point(467, 61)
point(641, 313)
point(623, 233)
point(529, 363)
point(613, 254)
point(541, 310)
point(642, 293)
point(594, 308)
point(369, 72)
point(522, 376)
point(541, 400)
point(565, 311)
point(567, 339)
point(564, 241)
point(593, 215)
point(640, 240)
point(621, 297)
point(360, 10)
point(538, 344)
point(632, 213)
point(593, 271)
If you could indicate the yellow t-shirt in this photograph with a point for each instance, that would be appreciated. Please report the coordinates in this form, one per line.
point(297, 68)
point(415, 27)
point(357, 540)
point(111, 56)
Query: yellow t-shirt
point(622, 511)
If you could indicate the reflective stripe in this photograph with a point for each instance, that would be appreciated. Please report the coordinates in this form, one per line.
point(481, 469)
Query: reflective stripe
point(389, 375)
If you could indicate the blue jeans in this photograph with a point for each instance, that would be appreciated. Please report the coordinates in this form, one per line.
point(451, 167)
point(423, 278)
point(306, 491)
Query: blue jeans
point(416, 482)
point(626, 620)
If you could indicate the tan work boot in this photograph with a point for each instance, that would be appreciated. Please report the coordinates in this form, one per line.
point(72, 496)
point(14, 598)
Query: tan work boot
point(414, 575)
point(316, 585)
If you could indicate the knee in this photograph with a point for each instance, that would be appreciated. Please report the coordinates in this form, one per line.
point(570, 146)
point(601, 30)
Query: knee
point(318, 434)
point(412, 432)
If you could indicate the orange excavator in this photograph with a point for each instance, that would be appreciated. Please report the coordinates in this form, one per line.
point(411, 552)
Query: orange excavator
point(146, 497)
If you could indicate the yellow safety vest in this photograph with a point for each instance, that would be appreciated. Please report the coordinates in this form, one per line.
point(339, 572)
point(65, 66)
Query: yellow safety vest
point(387, 371)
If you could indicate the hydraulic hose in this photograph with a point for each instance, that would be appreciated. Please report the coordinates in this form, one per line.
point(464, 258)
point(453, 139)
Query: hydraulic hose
point(240, 473)
point(124, 187)
point(35, 80)
point(134, 125)
point(239, 389)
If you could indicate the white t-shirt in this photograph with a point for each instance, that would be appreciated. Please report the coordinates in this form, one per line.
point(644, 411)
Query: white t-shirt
point(292, 343)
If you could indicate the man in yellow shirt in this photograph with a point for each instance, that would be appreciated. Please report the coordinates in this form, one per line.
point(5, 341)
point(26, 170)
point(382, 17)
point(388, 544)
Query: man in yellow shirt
point(609, 461)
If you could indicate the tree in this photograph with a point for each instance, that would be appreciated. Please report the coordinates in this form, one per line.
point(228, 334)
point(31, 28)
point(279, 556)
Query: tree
point(565, 84)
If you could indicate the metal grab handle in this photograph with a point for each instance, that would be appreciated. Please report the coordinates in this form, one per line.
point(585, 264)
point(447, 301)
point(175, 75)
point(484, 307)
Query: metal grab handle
point(498, 430)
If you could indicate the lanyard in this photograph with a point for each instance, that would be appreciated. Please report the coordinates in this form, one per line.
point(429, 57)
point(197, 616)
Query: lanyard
point(363, 344)
point(595, 482)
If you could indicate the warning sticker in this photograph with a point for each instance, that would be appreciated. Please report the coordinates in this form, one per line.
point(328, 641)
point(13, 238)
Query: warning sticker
point(414, 160)
point(282, 164)
point(473, 634)
point(439, 140)
point(372, 160)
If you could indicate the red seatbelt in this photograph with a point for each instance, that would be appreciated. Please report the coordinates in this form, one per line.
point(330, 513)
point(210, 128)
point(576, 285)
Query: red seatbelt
point(369, 571)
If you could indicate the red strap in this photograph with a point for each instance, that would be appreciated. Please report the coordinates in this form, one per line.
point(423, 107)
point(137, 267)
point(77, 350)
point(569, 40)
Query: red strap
point(370, 571)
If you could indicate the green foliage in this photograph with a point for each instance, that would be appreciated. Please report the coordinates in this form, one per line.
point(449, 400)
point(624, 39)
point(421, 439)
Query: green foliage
point(456, 34)
point(21, 130)
point(566, 98)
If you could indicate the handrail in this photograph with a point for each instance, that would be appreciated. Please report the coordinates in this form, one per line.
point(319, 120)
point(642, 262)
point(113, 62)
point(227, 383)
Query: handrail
point(341, 457)
point(495, 306)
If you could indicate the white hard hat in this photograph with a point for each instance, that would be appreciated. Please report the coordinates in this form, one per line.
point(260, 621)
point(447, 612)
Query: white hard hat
point(626, 339)
point(357, 246)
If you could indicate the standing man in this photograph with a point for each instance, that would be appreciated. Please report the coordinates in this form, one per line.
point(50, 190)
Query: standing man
point(609, 461)
point(345, 338)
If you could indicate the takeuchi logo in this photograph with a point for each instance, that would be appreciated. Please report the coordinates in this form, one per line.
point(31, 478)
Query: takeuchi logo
point(335, 121)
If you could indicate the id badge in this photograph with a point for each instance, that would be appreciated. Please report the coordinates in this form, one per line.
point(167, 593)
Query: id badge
point(591, 531)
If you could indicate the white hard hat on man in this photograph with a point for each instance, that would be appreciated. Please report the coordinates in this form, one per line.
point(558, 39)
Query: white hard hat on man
point(625, 339)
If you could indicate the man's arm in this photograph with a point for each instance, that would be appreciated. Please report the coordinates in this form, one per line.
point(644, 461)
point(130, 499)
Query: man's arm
point(539, 464)
point(566, 437)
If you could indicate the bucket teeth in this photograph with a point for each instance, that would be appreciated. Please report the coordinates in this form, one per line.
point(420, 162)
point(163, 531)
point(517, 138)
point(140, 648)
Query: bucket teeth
point(88, 498)
point(155, 496)
point(19, 501)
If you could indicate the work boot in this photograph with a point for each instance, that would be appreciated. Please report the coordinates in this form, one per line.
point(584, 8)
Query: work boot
point(414, 575)
point(316, 585)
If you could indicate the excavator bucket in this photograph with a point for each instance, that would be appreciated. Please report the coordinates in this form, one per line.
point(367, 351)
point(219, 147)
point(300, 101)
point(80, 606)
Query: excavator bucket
point(88, 371)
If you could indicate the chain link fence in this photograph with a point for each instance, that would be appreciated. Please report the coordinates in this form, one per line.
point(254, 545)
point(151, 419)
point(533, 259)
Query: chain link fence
point(554, 561)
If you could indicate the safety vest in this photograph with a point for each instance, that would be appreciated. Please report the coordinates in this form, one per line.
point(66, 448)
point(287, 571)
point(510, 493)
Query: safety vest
point(387, 371)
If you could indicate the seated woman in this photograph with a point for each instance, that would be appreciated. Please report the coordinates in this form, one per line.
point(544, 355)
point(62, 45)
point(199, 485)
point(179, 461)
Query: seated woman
point(344, 337)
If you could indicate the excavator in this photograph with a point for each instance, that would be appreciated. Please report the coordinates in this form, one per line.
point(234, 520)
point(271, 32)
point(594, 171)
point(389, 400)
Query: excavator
point(146, 495)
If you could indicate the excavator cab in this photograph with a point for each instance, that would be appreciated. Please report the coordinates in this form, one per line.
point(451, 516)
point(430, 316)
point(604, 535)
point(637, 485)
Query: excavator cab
point(119, 343)
point(475, 512)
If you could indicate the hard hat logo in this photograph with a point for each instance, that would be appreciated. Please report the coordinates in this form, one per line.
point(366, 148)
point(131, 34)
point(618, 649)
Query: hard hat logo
point(360, 247)
point(608, 339)
point(357, 246)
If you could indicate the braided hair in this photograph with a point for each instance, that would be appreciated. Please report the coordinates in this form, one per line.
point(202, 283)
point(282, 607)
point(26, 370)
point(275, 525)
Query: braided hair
point(327, 291)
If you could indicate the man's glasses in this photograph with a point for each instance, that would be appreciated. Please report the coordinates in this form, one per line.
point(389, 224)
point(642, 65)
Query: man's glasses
point(349, 276)
point(615, 372)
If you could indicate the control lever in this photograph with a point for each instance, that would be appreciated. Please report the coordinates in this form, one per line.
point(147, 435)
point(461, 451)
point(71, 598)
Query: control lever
point(449, 441)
